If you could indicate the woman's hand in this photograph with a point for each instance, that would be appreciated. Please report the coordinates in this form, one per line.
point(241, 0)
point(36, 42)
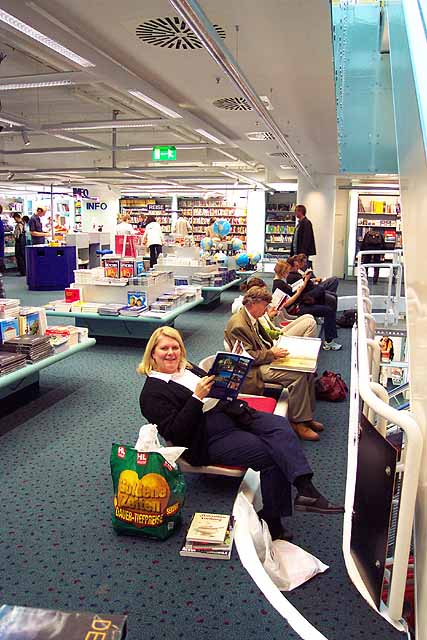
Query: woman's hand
point(278, 352)
point(203, 387)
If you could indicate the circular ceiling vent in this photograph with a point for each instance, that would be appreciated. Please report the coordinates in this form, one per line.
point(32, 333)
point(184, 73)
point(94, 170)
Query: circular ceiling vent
point(233, 104)
point(171, 32)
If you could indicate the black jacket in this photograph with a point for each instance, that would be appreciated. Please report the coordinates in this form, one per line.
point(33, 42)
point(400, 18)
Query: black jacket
point(305, 239)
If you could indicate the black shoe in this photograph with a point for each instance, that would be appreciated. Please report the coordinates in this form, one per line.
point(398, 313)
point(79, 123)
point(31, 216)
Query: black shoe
point(316, 505)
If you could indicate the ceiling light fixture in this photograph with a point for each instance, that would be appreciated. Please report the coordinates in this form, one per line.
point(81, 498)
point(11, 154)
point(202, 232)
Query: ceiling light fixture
point(227, 155)
point(25, 138)
point(154, 104)
point(71, 139)
point(40, 37)
point(10, 176)
point(104, 124)
point(209, 136)
point(34, 85)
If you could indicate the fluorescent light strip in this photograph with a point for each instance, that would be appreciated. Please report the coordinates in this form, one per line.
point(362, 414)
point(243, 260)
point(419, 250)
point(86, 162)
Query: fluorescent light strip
point(34, 85)
point(209, 136)
point(154, 104)
point(88, 126)
point(40, 37)
point(227, 155)
point(71, 139)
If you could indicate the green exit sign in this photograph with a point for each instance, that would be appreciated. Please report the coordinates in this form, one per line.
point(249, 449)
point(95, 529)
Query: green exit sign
point(163, 153)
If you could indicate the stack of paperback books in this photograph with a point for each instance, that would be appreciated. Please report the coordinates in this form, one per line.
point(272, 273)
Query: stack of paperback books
point(210, 535)
point(34, 348)
point(11, 362)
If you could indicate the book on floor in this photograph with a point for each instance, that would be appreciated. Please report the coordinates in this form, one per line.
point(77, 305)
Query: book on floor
point(230, 370)
point(44, 624)
point(209, 550)
point(303, 353)
point(208, 527)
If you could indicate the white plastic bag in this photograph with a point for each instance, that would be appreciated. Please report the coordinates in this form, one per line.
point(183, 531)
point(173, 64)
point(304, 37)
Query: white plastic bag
point(287, 565)
point(148, 440)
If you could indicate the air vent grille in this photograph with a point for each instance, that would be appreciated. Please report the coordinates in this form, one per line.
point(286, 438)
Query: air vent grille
point(171, 32)
point(233, 104)
point(278, 154)
point(260, 135)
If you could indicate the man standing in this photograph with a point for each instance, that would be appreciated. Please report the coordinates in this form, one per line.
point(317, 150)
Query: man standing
point(2, 265)
point(303, 239)
point(36, 227)
point(244, 327)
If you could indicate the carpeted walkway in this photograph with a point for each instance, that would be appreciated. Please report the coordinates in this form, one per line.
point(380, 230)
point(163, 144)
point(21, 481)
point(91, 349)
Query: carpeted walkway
point(57, 546)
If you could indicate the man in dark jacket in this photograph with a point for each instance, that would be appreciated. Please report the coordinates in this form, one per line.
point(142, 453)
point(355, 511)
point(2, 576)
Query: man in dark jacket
point(303, 239)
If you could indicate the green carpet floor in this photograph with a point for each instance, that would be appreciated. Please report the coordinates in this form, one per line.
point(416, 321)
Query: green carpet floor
point(57, 546)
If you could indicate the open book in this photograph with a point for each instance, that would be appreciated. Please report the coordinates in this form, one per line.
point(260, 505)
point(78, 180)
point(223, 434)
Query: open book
point(278, 299)
point(230, 370)
point(303, 353)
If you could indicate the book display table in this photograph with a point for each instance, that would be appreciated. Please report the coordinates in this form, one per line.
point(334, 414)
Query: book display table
point(124, 326)
point(29, 375)
point(213, 294)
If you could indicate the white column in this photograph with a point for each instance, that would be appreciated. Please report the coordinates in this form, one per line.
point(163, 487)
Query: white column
point(256, 222)
point(105, 215)
point(320, 204)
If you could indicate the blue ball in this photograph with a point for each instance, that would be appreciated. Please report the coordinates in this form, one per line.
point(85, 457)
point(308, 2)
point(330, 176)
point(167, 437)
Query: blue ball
point(255, 258)
point(237, 244)
point(242, 259)
point(206, 244)
point(222, 228)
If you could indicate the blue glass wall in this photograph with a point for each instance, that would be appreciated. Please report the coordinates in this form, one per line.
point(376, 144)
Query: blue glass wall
point(366, 130)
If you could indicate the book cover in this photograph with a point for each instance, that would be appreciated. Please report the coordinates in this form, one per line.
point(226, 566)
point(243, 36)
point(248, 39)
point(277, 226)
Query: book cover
point(137, 298)
point(278, 299)
point(296, 285)
point(303, 354)
point(230, 370)
point(208, 527)
point(29, 324)
point(9, 328)
point(72, 295)
point(127, 268)
point(28, 623)
point(207, 547)
point(111, 267)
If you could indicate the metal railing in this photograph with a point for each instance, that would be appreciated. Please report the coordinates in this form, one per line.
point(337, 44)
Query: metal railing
point(376, 407)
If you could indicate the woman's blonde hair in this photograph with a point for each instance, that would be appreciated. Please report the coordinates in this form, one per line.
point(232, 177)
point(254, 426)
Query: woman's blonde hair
point(147, 363)
point(281, 268)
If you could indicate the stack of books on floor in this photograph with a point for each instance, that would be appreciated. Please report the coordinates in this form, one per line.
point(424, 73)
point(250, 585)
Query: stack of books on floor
point(10, 362)
point(34, 348)
point(210, 535)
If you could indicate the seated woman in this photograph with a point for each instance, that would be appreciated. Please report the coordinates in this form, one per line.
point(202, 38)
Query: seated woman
point(175, 397)
point(307, 304)
point(328, 284)
point(304, 325)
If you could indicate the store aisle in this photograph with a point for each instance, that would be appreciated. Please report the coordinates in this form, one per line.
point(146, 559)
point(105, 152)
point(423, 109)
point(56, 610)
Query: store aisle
point(57, 546)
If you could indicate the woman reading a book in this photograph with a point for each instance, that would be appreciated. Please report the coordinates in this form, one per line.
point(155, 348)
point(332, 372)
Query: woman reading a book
point(175, 397)
point(306, 302)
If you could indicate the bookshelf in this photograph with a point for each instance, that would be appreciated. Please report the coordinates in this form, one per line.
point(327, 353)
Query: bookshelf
point(383, 214)
point(158, 207)
point(279, 225)
point(199, 212)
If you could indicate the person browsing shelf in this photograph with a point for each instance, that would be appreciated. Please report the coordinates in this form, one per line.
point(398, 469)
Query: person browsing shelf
point(20, 242)
point(153, 239)
point(244, 327)
point(175, 397)
point(303, 238)
point(308, 305)
point(304, 326)
point(124, 227)
point(182, 226)
point(210, 230)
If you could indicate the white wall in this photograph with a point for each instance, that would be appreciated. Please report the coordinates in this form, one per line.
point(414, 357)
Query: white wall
point(107, 217)
point(320, 203)
point(256, 221)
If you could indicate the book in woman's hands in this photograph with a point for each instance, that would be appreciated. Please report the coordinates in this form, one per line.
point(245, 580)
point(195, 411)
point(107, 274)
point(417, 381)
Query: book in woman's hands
point(230, 370)
point(303, 353)
point(278, 299)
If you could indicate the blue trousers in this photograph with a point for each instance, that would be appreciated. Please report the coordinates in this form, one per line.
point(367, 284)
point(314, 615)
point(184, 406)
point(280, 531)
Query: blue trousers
point(323, 311)
point(270, 446)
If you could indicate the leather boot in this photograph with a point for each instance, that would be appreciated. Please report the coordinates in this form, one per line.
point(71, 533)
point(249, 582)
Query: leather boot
point(304, 432)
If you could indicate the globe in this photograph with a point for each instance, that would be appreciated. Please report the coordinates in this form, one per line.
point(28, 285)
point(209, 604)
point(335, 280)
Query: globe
point(221, 257)
point(206, 244)
point(236, 244)
point(222, 228)
point(242, 260)
point(255, 258)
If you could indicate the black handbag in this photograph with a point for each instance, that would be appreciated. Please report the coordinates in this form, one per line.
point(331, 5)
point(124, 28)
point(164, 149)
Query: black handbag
point(239, 411)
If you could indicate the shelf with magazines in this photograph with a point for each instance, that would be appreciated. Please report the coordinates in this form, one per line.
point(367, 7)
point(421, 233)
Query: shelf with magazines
point(158, 207)
point(279, 224)
point(200, 212)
